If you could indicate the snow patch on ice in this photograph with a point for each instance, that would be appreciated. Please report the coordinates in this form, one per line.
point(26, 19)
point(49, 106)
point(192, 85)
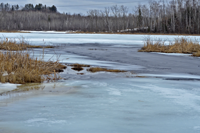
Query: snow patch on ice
point(173, 54)
point(113, 91)
point(7, 87)
point(44, 120)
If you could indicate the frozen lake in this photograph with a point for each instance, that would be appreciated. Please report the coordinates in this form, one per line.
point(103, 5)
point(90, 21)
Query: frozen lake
point(104, 102)
point(111, 105)
point(45, 38)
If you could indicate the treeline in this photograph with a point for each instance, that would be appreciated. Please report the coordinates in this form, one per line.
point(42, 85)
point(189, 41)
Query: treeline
point(28, 7)
point(175, 16)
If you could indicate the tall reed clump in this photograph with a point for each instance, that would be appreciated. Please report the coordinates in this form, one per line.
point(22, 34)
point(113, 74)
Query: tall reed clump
point(18, 67)
point(17, 45)
point(180, 45)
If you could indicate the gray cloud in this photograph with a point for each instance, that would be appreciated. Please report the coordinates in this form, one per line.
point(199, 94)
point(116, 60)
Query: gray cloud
point(81, 6)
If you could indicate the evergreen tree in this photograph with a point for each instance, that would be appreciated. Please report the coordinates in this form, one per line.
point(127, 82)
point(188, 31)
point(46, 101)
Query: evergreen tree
point(38, 7)
point(13, 9)
point(53, 9)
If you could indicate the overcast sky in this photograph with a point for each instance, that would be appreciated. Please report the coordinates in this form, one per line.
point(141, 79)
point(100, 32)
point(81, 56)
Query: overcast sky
point(80, 6)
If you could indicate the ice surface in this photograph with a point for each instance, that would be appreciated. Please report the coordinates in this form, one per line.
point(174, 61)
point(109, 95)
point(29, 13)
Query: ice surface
point(70, 58)
point(115, 105)
point(109, 105)
point(46, 38)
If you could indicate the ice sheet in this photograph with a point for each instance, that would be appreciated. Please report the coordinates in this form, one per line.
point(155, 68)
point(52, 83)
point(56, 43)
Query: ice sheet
point(70, 58)
point(46, 38)
point(115, 105)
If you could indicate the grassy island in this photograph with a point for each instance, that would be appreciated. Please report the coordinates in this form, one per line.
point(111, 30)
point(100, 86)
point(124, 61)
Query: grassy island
point(179, 45)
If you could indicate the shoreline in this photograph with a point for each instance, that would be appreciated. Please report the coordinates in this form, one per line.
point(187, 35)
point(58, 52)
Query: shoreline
point(128, 33)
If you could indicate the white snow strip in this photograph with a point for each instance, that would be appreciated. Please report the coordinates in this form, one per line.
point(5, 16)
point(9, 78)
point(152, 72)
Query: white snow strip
point(7, 87)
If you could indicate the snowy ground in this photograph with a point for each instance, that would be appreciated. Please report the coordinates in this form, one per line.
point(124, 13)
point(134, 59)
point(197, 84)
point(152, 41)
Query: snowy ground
point(165, 100)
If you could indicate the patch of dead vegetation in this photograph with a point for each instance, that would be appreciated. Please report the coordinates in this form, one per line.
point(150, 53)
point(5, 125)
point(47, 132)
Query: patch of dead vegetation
point(77, 68)
point(21, 44)
point(16, 65)
point(98, 69)
point(196, 54)
point(140, 76)
point(79, 65)
point(180, 45)
point(14, 31)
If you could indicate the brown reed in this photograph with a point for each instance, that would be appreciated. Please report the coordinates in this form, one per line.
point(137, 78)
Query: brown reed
point(180, 45)
point(18, 67)
point(14, 45)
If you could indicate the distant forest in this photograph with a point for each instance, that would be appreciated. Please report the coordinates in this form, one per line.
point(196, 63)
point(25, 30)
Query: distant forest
point(175, 16)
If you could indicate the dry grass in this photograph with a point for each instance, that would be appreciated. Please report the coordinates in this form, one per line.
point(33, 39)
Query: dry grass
point(16, 65)
point(197, 54)
point(14, 45)
point(180, 45)
point(77, 68)
point(14, 31)
point(98, 69)
point(79, 65)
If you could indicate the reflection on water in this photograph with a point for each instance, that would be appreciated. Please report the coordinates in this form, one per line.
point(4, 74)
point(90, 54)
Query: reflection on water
point(24, 88)
point(21, 91)
point(27, 91)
